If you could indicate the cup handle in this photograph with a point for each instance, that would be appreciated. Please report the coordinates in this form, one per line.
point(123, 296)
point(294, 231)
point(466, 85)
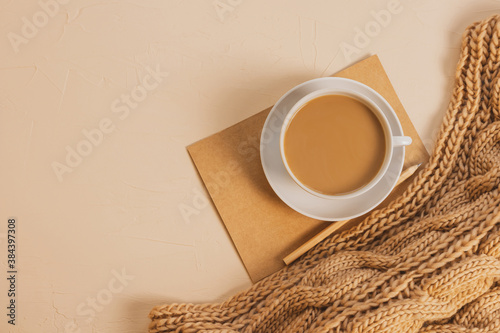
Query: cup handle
point(401, 141)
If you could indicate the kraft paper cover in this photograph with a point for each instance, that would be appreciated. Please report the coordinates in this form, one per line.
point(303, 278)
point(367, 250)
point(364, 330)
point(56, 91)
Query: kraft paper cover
point(263, 228)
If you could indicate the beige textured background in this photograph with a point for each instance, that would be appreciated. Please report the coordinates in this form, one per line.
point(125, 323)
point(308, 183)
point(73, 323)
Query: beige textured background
point(129, 225)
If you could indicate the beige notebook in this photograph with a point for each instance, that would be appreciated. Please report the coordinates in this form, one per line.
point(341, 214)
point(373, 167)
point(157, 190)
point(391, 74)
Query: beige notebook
point(262, 227)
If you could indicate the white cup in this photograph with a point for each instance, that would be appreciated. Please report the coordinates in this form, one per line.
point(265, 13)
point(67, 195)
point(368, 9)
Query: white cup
point(391, 141)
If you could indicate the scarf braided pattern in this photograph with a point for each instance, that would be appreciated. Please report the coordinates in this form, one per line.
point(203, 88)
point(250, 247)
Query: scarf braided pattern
point(428, 262)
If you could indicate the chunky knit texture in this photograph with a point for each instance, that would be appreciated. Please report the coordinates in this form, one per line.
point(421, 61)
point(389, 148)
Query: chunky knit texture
point(428, 262)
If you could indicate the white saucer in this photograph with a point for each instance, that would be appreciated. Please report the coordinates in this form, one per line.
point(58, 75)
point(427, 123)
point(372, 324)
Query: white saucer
point(291, 193)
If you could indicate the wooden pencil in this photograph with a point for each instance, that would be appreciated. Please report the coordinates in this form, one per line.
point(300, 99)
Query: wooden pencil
point(336, 225)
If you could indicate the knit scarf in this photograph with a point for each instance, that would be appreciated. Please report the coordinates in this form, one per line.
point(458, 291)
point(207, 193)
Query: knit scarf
point(427, 262)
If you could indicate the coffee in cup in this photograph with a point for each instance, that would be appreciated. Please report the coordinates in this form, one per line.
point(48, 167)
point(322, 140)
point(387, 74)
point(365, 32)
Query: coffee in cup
point(337, 144)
